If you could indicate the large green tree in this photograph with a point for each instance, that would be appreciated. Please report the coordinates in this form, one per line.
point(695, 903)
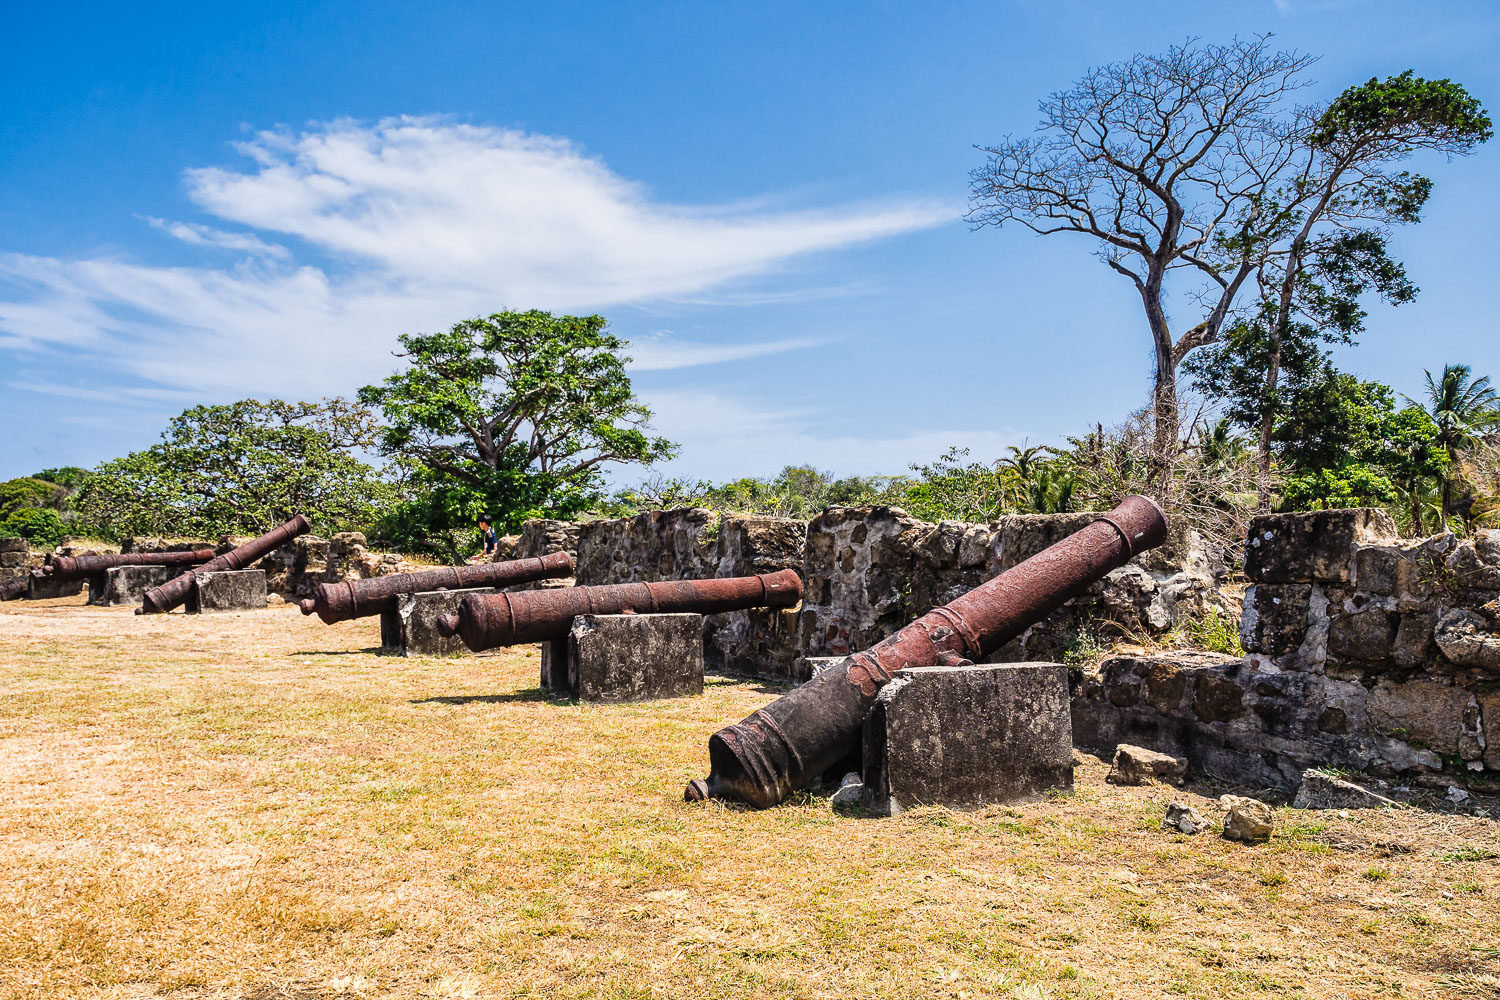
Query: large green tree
point(1191, 168)
point(1336, 205)
point(513, 414)
point(242, 468)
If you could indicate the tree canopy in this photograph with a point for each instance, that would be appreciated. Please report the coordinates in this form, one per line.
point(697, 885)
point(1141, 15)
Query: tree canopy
point(242, 468)
point(512, 415)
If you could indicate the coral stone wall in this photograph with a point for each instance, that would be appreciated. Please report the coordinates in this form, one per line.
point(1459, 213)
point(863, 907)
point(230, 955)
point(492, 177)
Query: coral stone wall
point(867, 571)
point(1364, 650)
point(870, 570)
point(695, 544)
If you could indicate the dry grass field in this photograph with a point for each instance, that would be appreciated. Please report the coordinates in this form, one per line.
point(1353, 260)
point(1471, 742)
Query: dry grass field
point(260, 806)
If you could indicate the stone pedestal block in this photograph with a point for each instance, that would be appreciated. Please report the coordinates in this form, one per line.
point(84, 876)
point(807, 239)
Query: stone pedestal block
point(968, 736)
point(614, 658)
point(128, 584)
point(555, 665)
point(236, 590)
point(411, 630)
point(46, 588)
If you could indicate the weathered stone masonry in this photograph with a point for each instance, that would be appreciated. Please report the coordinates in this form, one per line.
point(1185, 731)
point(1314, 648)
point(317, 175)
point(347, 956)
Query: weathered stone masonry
point(867, 571)
point(1364, 650)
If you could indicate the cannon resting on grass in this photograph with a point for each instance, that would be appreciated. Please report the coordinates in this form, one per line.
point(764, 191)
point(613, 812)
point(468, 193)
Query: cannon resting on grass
point(337, 602)
point(797, 737)
point(487, 621)
point(172, 593)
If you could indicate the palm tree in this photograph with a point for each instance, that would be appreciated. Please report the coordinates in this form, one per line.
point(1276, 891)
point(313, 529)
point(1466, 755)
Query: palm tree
point(1463, 407)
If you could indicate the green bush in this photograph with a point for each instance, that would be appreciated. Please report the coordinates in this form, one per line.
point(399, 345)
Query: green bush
point(16, 494)
point(40, 526)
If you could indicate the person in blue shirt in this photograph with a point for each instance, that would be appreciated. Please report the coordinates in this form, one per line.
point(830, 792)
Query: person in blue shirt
point(487, 536)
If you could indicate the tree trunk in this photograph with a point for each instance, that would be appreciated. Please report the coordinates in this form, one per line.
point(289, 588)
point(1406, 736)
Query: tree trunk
point(1416, 510)
point(1164, 394)
point(1447, 496)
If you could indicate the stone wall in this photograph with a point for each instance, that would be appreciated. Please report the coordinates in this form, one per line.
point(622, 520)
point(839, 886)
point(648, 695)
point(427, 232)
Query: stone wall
point(695, 544)
point(1364, 650)
point(295, 569)
point(870, 570)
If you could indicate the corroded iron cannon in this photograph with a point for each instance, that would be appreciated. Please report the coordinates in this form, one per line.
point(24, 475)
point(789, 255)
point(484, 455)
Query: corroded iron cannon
point(487, 621)
point(74, 567)
point(800, 735)
point(337, 602)
point(172, 593)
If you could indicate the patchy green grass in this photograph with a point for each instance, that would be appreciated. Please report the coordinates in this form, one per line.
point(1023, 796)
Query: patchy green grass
point(250, 806)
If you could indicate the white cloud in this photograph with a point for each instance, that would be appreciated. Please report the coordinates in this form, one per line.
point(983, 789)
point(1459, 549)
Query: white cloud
point(661, 351)
point(406, 225)
point(207, 236)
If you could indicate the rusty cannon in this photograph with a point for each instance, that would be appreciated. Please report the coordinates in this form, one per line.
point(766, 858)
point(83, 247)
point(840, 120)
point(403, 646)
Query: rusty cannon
point(797, 737)
point(75, 567)
point(338, 602)
point(172, 593)
point(484, 622)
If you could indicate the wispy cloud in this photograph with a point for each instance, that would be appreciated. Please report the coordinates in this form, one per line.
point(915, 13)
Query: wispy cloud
point(207, 236)
point(406, 225)
point(661, 351)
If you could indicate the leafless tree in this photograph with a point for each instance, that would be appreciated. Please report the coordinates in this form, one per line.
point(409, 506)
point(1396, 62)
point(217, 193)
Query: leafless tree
point(1164, 161)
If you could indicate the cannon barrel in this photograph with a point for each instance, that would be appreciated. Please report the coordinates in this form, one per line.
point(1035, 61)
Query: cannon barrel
point(172, 593)
point(487, 621)
point(337, 602)
point(800, 735)
point(73, 567)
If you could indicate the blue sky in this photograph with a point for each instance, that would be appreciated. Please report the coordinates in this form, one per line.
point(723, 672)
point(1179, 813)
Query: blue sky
point(206, 204)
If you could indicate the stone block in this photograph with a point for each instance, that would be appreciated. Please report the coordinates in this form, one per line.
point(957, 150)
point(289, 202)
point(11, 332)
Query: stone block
point(554, 674)
point(128, 584)
point(1413, 645)
point(1183, 818)
point(614, 658)
point(1489, 712)
point(1420, 712)
point(14, 558)
point(12, 543)
point(1323, 791)
point(1138, 766)
point(1313, 546)
point(964, 737)
point(1275, 618)
point(1367, 635)
point(48, 588)
point(1468, 639)
point(234, 590)
point(1246, 819)
point(416, 621)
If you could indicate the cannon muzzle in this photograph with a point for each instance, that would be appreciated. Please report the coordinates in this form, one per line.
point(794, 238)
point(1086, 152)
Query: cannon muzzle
point(484, 622)
point(172, 593)
point(337, 602)
point(800, 735)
